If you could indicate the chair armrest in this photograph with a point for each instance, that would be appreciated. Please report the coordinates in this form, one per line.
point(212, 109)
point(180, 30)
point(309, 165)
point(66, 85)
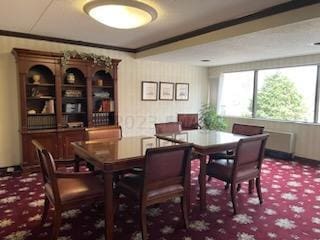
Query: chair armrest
point(64, 161)
point(230, 157)
point(76, 174)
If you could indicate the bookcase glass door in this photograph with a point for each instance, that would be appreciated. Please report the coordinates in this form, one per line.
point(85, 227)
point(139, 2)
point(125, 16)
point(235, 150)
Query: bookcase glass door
point(103, 99)
point(41, 99)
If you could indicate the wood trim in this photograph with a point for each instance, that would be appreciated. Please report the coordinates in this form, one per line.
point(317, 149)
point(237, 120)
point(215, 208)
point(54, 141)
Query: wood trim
point(295, 4)
point(284, 7)
point(63, 40)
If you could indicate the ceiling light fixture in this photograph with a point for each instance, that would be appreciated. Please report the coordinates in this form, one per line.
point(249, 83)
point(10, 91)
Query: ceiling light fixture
point(123, 14)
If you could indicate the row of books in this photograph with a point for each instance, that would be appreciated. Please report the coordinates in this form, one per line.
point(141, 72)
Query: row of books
point(41, 122)
point(99, 119)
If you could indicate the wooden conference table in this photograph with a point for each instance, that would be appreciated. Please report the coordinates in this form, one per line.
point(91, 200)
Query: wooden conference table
point(114, 155)
point(204, 142)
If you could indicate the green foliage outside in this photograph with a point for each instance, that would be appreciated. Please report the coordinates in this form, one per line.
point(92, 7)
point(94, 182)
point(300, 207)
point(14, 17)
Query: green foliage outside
point(280, 99)
point(209, 119)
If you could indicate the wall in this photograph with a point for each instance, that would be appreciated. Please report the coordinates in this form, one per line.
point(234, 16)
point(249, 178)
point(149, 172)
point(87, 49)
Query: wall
point(136, 117)
point(307, 135)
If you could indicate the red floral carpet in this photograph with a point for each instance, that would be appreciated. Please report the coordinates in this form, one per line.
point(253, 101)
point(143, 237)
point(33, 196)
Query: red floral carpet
point(291, 210)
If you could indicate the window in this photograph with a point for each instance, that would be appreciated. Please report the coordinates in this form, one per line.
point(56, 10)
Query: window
point(287, 93)
point(236, 94)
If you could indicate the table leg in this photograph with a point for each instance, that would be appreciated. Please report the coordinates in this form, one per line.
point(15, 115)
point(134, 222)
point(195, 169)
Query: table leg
point(202, 182)
point(108, 205)
point(77, 163)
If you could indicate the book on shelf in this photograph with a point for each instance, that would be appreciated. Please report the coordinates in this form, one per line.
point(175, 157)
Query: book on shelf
point(48, 107)
point(107, 105)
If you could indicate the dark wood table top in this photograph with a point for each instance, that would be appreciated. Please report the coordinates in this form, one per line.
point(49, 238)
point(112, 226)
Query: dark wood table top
point(117, 153)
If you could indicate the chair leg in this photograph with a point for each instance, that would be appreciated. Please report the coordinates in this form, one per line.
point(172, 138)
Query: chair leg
point(90, 167)
point(45, 210)
point(251, 186)
point(238, 187)
point(258, 186)
point(143, 220)
point(233, 198)
point(56, 224)
point(185, 210)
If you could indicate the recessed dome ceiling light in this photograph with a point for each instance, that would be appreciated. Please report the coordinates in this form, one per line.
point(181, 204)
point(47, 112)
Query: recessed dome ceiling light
point(123, 14)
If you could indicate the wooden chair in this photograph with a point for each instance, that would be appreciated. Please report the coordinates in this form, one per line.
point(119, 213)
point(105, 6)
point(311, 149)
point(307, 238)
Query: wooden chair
point(166, 175)
point(188, 121)
point(103, 133)
point(242, 129)
point(65, 190)
point(243, 166)
point(168, 127)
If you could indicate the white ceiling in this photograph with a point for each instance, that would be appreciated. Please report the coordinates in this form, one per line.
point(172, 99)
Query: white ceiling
point(66, 19)
point(290, 40)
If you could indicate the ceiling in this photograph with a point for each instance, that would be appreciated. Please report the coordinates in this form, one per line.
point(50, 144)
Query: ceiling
point(65, 19)
point(290, 40)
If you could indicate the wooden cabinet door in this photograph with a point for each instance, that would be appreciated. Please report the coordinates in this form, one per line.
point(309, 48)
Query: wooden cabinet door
point(48, 140)
point(67, 138)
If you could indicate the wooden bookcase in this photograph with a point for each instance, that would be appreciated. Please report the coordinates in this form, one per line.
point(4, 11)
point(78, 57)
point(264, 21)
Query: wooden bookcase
point(57, 103)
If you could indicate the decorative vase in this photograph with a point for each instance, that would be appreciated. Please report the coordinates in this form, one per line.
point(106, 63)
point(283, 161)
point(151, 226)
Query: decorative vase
point(36, 78)
point(100, 82)
point(71, 78)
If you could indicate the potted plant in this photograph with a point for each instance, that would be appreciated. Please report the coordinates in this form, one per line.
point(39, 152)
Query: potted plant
point(209, 119)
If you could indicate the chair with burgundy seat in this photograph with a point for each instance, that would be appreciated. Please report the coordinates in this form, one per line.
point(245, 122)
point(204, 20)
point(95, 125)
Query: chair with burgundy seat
point(166, 175)
point(65, 190)
point(168, 127)
point(188, 121)
point(244, 165)
point(242, 129)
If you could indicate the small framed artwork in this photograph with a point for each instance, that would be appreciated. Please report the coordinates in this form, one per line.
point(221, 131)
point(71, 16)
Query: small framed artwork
point(166, 91)
point(149, 91)
point(182, 91)
point(148, 142)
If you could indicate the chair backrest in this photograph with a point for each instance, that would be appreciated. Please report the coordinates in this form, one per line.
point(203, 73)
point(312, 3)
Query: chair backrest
point(169, 127)
point(249, 154)
point(248, 130)
point(167, 166)
point(103, 132)
point(188, 121)
point(48, 169)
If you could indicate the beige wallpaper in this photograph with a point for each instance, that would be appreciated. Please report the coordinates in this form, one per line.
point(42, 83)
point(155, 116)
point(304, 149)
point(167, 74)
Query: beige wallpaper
point(136, 117)
point(307, 135)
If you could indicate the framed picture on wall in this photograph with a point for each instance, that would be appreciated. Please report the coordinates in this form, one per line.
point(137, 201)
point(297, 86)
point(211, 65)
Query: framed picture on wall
point(149, 91)
point(182, 91)
point(166, 91)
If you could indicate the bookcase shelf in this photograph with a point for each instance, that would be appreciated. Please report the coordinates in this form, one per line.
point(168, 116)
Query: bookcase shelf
point(49, 93)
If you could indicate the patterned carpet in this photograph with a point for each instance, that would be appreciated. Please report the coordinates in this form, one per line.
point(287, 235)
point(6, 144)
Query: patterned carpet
point(291, 210)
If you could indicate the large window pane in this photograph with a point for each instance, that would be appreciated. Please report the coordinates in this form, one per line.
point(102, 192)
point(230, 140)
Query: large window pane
point(236, 93)
point(287, 93)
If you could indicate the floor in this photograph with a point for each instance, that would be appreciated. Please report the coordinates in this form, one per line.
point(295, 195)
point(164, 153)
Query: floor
point(291, 210)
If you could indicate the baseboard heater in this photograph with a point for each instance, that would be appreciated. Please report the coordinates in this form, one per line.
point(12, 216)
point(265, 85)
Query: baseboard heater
point(280, 144)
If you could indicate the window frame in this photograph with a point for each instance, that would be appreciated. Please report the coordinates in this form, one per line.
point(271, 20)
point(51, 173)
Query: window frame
point(316, 117)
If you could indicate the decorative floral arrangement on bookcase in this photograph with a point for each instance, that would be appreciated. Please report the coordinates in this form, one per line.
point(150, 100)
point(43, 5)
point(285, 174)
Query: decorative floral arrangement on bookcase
point(97, 59)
